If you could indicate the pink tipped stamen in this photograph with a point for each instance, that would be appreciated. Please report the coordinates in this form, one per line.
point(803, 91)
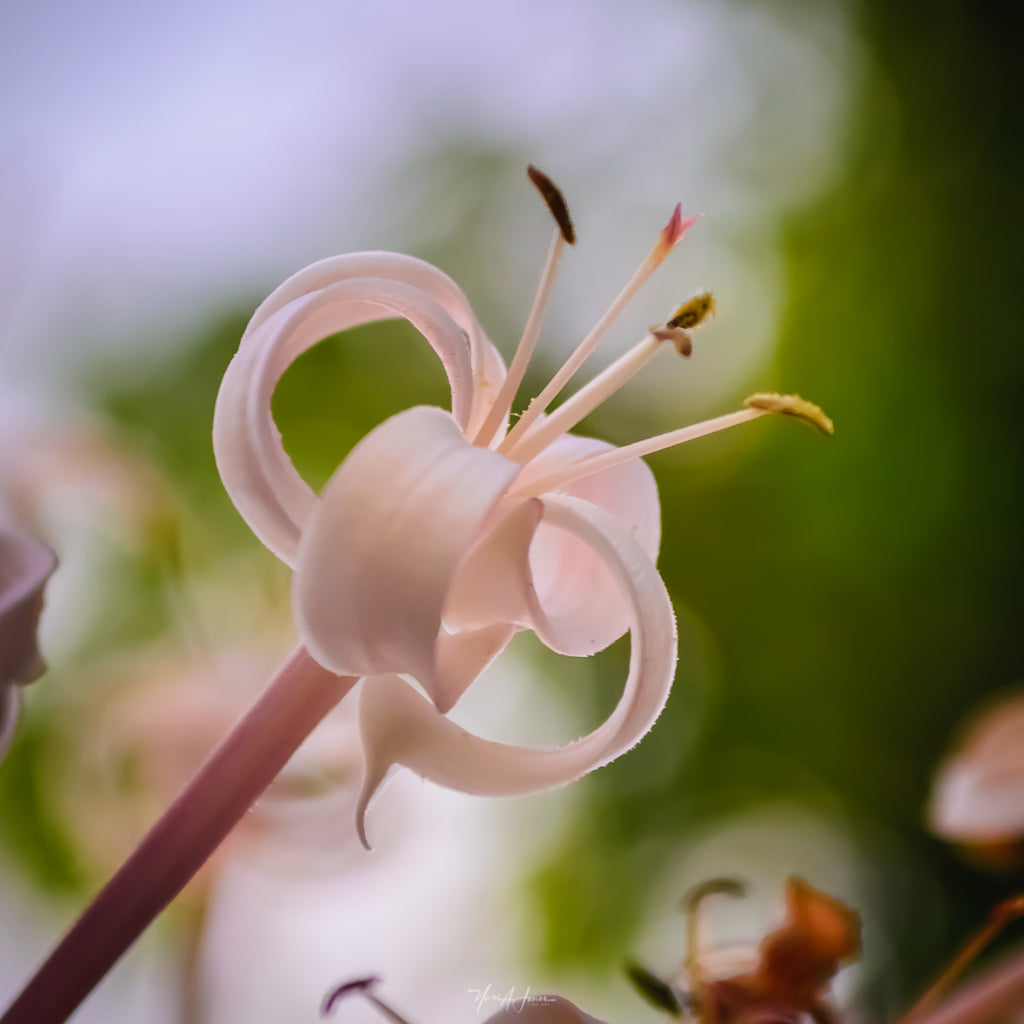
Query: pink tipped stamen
point(527, 343)
point(586, 400)
point(609, 460)
point(667, 240)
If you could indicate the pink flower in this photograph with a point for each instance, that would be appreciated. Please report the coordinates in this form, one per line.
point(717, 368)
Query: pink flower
point(25, 566)
point(979, 791)
point(443, 533)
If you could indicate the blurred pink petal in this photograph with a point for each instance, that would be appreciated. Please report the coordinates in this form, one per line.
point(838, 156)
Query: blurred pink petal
point(25, 566)
point(979, 791)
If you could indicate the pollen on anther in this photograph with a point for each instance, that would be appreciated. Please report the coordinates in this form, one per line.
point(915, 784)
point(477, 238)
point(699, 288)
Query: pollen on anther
point(552, 195)
point(792, 405)
point(694, 311)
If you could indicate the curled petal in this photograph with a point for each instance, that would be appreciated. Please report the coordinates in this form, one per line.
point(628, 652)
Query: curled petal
point(584, 607)
point(380, 549)
point(25, 566)
point(400, 727)
point(487, 364)
point(542, 1010)
point(322, 300)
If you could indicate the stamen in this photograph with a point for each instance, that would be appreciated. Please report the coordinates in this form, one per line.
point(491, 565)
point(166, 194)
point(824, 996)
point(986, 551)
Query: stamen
point(667, 240)
point(680, 338)
point(591, 464)
point(592, 394)
point(694, 312)
point(792, 405)
point(527, 343)
point(363, 987)
point(552, 195)
point(692, 902)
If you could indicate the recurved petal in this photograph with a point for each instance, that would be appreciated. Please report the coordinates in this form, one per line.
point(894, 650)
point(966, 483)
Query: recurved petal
point(257, 473)
point(488, 368)
point(379, 551)
point(400, 727)
point(583, 604)
point(542, 1010)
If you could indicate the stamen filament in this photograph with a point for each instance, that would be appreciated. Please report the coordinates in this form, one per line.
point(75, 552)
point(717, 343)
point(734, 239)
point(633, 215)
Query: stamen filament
point(527, 343)
point(692, 903)
point(667, 240)
point(586, 400)
point(607, 460)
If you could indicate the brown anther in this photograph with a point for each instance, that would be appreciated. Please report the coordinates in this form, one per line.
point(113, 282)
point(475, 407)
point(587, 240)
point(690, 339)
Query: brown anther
point(680, 338)
point(552, 195)
point(694, 312)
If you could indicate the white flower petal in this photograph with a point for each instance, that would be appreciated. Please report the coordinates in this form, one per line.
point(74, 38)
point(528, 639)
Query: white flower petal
point(584, 605)
point(379, 551)
point(400, 727)
point(493, 583)
point(461, 657)
point(323, 300)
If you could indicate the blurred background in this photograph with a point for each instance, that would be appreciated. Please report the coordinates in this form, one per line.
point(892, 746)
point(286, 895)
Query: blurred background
point(844, 606)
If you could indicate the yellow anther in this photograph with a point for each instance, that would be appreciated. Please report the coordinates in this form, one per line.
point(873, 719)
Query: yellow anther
point(792, 405)
point(693, 312)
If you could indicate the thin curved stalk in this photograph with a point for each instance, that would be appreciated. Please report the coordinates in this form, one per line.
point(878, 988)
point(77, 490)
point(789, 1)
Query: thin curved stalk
point(249, 759)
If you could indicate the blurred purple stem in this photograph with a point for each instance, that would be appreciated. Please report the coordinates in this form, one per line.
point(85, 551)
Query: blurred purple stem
point(227, 785)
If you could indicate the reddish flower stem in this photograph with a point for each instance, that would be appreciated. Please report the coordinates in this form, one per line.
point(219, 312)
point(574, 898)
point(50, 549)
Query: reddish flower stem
point(298, 698)
point(997, 995)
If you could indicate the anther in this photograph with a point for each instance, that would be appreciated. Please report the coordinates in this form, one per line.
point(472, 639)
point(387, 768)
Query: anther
point(552, 195)
point(680, 338)
point(792, 405)
point(693, 312)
